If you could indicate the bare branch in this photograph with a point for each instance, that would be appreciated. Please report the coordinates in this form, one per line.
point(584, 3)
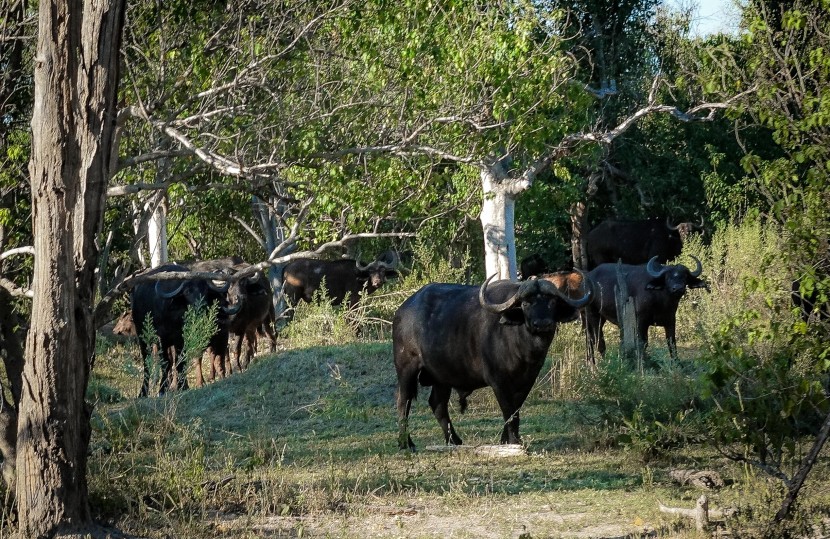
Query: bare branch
point(399, 149)
point(691, 115)
point(151, 156)
point(248, 229)
point(27, 250)
point(289, 242)
point(15, 290)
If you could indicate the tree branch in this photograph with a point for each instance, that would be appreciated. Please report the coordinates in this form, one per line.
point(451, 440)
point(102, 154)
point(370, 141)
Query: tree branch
point(27, 250)
point(15, 290)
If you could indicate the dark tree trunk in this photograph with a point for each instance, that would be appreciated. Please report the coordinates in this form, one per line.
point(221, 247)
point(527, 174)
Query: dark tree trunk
point(579, 222)
point(12, 350)
point(76, 79)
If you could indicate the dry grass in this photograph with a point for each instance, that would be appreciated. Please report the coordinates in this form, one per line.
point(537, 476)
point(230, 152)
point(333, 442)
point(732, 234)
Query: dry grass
point(304, 443)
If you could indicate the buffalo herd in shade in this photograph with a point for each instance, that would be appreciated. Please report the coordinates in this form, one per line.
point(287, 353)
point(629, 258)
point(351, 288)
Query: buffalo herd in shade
point(445, 336)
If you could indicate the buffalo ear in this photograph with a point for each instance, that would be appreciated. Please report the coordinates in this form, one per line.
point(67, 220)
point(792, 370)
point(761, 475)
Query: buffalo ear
point(565, 313)
point(512, 317)
point(656, 284)
point(391, 274)
point(694, 282)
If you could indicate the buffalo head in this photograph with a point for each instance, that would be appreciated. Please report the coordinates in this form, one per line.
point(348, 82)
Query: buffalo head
point(674, 279)
point(684, 229)
point(535, 304)
point(377, 272)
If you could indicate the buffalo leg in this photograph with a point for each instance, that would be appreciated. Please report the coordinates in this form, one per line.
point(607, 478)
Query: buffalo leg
point(594, 337)
point(642, 340)
point(671, 339)
point(197, 362)
point(407, 392)
point(439, 400)
point(267, 328)
point(510, 404)
point(238, 345)
point(601, 338)
point(251, 345)
point(168, 356)
point(181, 371)
point(217, 366)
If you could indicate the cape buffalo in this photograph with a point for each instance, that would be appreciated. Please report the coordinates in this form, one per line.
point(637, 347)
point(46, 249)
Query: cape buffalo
point(124, 325)
point(344, 279)
point(636, 241)
point(453, 336)
point(570, 283)
point(533, 266)
point(256, 314)
point(251, 297)
point(166, 301)
point(656, 290)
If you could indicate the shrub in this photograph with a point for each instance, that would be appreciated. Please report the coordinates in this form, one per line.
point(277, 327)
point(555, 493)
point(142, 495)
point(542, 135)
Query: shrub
point(764, 368)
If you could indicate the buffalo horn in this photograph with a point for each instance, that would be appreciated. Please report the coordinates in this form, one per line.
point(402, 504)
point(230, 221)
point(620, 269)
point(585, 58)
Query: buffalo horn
point(699, 269)
point(367, 267)
point(671, 226)
point(219, 288)
point(168, 295)
point(655, 269)
point(231, 310)
point(389, 265)
point(496, 308)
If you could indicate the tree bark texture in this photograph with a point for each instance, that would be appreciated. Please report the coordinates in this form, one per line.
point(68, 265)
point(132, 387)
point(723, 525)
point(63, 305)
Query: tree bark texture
point(497, 222)
point(157, 235)
point(76, 76)
point(273, 234)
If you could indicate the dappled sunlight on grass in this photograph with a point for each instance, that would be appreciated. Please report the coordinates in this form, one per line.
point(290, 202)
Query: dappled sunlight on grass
point(304, 442)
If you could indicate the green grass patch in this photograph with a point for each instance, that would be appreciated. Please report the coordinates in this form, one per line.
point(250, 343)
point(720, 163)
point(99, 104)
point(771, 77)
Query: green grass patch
point(304, 443)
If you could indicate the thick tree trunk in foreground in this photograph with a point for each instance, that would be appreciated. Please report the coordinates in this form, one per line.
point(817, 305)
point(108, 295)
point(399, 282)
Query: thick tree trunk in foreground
point(76, 75)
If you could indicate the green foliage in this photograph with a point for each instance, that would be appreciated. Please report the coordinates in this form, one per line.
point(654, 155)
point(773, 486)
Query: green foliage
point(200, 324)
point(765, 370)
point(151, 340)
point(543, 221)
point(319, 323)
point(650, 412)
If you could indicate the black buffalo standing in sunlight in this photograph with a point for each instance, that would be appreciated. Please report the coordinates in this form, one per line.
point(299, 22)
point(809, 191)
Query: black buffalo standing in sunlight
point(656, 290)
point(453, 336)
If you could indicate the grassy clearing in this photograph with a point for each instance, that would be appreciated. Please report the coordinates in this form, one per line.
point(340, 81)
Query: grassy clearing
point(304, 443)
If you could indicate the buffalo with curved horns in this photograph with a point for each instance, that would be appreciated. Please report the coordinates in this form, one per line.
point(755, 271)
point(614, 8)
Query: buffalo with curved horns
point(344, 279)
point(462, 337)
point(656, 291)
point(252, 298)
point(636, 241)
point(165, 301)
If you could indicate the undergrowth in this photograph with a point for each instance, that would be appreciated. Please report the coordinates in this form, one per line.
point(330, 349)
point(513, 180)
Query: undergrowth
point(304, 442)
